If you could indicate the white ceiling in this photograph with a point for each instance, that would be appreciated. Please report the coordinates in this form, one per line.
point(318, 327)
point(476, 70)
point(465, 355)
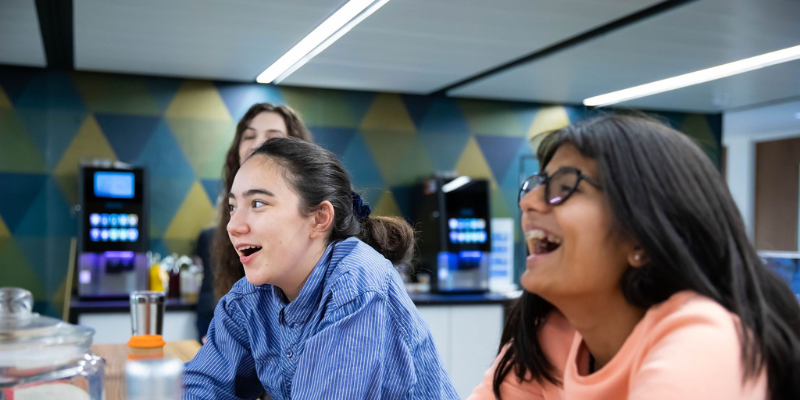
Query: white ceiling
point(20, 40)
point(229, 40)
point(699, 35)
point(419, 46)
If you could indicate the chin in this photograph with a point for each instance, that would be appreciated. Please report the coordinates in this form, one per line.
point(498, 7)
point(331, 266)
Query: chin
point(256, 279)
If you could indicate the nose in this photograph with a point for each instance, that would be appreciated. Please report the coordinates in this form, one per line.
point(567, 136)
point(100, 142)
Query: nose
point(534, 201)
point(237, 225)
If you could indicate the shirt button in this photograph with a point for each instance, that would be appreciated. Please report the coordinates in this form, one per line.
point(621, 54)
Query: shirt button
point(289, 353)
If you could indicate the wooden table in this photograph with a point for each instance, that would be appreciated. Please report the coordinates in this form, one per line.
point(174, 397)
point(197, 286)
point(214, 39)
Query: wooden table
point(117, 354)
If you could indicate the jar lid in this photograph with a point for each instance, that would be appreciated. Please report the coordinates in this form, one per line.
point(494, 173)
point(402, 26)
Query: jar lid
point(28, 339)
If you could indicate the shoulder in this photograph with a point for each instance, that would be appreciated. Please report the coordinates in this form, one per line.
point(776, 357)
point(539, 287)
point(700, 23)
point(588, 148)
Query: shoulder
point(690, 312)
point(358, 269)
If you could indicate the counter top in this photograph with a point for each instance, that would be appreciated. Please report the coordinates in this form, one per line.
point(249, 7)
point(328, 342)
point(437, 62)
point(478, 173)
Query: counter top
point(116, 355)
point(423, 298)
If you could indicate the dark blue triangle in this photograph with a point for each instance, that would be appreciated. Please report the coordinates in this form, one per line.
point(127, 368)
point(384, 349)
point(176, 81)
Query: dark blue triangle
point(358, 103)
point(444, 115)
point(162, 155)
point(127, 134)
point(19, 192)
point(334, 139)
point(15, 80)
point(499, 152)
point(402, 196)
point(417, 107)
point(163, 90)
point(53, 90)
point(213, 188)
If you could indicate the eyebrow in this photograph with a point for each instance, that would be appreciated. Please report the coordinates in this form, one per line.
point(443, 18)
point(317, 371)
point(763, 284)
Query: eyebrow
point(250, 128)
point(252, 192)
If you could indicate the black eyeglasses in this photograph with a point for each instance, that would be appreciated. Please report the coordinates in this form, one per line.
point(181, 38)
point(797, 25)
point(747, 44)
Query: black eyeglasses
point(557, 187)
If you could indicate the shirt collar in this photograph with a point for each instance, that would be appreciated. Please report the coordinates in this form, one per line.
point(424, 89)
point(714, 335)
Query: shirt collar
point(305, 303)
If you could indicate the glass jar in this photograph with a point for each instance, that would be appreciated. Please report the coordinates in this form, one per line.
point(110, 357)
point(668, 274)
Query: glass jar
point(42, 357)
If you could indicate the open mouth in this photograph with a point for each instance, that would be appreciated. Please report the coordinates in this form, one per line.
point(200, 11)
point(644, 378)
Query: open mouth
point(247, 251)
point(540, 242)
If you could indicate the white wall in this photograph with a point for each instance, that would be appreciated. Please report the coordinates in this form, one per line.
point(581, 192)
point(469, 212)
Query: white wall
point(741, 130)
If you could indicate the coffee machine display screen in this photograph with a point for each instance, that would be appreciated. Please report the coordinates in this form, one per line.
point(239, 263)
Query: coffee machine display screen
point(114, 185)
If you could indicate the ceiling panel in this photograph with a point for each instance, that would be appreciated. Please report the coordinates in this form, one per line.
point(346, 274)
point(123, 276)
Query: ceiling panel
point(699, 35)
point(231, 40)
point(418, 46)
point(20, 39)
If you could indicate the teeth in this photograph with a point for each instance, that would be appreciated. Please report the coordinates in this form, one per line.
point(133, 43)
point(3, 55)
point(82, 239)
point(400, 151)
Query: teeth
point(535, 234)
point(553, 239)
point(243, 248)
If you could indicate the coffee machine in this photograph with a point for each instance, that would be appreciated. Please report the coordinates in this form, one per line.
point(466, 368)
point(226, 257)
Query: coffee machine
point(112, 225)
point(452, 216)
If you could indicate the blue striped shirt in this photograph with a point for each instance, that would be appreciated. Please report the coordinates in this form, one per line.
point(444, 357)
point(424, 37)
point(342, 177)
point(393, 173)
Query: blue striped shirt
point(351, 333)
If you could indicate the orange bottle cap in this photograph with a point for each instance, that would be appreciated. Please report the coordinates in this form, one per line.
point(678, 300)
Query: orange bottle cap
point(146, 341)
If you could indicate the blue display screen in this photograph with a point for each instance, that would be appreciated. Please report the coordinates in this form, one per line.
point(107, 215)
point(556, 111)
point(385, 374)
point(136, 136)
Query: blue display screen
point(115, 185)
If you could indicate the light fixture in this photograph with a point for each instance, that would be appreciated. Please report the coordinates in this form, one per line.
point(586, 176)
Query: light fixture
point(455, 184)
point(329, 31)
point(697, 77)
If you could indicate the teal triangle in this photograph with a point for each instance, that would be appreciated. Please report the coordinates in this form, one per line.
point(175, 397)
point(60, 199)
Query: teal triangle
point(445, 148)
point(499, 152)
point(53, 90)
point(19, 193)
point(333, 139)
point(58, 252)
point(48, 214)
point(15, 80)
point(52, 130)
point(158, 246)
point(358, 103)
point(364, 174)
point(444, 115)
point(163, 156)
point(165, 199)
point(163, 91)
point(238, 98)
point(213, 188)
point(35, 251)
point(127, 134)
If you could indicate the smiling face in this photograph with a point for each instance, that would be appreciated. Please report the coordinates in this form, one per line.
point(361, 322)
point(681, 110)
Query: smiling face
point(262, 127)
point(574, 253)
point(271, 236)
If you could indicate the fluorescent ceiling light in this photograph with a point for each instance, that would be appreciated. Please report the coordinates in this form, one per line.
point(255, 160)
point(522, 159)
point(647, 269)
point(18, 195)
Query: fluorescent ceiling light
point(455, 184)
point(697, 77)
point(320, 38)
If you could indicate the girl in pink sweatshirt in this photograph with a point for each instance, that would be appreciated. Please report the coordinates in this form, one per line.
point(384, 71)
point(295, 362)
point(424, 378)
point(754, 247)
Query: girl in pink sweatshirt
point(641, 282)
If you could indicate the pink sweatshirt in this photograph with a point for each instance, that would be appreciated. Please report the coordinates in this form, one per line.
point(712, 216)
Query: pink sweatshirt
point(684, 348)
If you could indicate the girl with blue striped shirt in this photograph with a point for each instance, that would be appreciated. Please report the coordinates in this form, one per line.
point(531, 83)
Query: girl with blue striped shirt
point(321, 313)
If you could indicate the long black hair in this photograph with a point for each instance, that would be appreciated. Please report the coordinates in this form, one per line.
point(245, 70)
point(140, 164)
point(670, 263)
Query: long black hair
point(316, 175)
point(666, 194)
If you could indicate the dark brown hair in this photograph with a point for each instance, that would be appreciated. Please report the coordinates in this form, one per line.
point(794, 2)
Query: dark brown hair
point(665, 192)
point(316, 175)
point(227, 268)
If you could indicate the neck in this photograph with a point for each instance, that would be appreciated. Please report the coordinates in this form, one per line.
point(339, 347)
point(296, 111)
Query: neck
point(604, 322)
point(299, 275)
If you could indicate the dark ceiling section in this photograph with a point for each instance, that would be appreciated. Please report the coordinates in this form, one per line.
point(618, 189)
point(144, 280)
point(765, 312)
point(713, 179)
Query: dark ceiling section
point(55, 23)
point(583, 37)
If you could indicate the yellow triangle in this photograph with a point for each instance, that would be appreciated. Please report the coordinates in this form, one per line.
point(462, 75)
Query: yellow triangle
point(181, 246)
point(195, 214)
point(387, 206)
point(200, 100)
point(4, 232)
point(548, 119)
point(388, 113)
point(4, 101)
point(89, 143)
point(473, 164)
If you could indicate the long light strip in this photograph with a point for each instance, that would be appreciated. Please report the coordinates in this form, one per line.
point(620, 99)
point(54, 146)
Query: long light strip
point(697, 77)
point(330, 30)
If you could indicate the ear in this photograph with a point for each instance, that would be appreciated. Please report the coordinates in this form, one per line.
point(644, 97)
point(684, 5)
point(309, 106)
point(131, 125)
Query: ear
point(638, 257)
point(321, 219)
